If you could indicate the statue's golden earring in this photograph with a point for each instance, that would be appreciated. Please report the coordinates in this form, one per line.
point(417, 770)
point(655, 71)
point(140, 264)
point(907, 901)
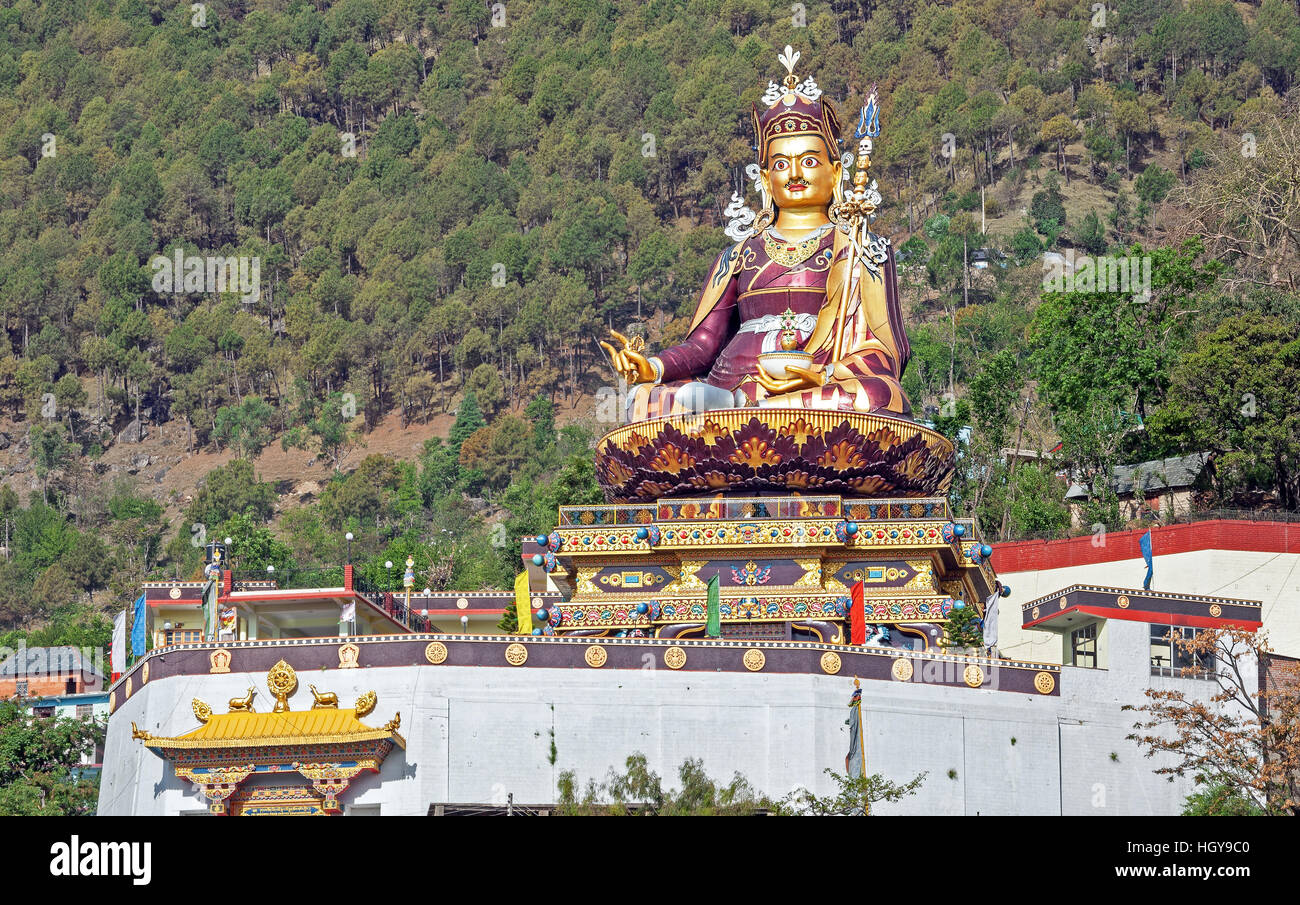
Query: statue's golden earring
point(767, 216)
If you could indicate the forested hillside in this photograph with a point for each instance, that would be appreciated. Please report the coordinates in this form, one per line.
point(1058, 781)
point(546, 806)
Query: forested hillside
point(449, 203)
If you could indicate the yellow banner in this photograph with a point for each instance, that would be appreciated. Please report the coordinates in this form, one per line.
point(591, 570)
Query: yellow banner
point(523, 611)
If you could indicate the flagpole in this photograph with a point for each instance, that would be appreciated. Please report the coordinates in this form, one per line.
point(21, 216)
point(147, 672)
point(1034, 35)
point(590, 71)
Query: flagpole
point(862, 746)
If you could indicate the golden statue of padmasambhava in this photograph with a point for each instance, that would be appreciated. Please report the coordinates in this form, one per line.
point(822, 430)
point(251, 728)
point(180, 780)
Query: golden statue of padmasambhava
point(809, 268)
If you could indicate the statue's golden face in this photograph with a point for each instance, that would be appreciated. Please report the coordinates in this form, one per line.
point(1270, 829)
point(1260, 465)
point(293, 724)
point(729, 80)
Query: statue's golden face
point(800, 173)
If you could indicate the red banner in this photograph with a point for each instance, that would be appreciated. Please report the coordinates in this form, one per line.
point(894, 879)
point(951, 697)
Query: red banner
point(857, 615)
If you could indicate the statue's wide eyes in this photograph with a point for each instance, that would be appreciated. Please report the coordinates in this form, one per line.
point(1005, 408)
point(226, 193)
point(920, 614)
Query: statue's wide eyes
point(810, 161)
point(780, 164)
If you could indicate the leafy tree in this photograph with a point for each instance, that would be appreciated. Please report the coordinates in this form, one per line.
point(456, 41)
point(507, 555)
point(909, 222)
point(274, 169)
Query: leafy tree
point(39, 758)
point(246, 427)
point(1092, 234)
point(640, 791)
point(1233, 395)
point(228, 490)
point(253, 547)
point(1243, 746)
point(854, 798)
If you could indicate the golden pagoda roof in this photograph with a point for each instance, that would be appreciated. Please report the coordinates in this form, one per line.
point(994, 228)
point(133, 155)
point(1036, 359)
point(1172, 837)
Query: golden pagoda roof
point(304, 727)
point(324, 724)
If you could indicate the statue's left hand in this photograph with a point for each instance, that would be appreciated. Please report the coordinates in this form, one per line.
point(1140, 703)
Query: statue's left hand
point(804, 379)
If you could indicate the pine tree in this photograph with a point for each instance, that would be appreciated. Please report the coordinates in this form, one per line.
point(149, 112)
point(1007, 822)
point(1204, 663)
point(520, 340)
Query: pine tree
point(469, 418)
point(965, 628)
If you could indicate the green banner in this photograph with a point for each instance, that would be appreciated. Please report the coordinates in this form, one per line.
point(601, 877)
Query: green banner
point(713, 627)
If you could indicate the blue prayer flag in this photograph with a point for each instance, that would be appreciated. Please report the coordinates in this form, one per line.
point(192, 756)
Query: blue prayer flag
point(1145, 544)
point(139, 630)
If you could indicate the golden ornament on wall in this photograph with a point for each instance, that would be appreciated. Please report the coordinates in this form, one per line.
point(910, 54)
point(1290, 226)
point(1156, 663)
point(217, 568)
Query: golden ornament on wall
point(202, 712)
point(1216, 610)
point(349, 654)
point(144, 673)
point(674, 657)
point(596, 656)
point(516, 654)
point(754, 659)
point(974, 676)
point(128, 687)
point(112, 702)
point(436, 652)
point(831, 663)
point(281, 681)
point(901, 670)
point(1044, 682)
point(1065, 601)
point(366, 703)
point(219, 660)
point(1122, 602)
point(1034, 612)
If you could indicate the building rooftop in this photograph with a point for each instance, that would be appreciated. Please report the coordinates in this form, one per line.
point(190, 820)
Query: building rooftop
point(1175, 473)
point(48, 661)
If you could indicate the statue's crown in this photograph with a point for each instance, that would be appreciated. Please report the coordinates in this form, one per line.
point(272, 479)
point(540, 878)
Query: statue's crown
point(794, 108)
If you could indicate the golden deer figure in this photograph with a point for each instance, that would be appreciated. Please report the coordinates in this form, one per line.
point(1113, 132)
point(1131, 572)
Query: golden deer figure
point(322, 701)
point(245, 703)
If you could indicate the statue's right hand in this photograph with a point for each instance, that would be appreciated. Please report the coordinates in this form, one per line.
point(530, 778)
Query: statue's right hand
point(628, 361)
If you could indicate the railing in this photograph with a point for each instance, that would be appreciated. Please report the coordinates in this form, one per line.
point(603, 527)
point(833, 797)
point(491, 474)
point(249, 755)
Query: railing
point(285, 577)
point(394, 605)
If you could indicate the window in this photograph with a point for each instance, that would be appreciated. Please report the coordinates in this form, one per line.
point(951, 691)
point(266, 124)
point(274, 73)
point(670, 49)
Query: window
point(1083, 646)
point(22, 687)
point(45, 712)
point(183, 636)
point(85, 710)
point(1168, 659)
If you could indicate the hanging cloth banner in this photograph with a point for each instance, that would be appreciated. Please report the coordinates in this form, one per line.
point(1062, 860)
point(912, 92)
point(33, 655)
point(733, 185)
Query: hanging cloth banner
point(1145, 544)
point(523, 614)
point(117, 656)
point(857, 614)
point(713, 627)
point(139, 628)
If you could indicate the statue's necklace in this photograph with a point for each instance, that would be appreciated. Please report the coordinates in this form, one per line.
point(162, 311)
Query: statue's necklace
point(789, 254)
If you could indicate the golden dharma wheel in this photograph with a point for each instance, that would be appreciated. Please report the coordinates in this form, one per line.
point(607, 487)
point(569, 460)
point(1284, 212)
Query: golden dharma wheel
point(754, 659)
point(831, 663)
point(436, 652)
point(674, 657)
point(596, 656)
point(516, 654)
point(1044, 683)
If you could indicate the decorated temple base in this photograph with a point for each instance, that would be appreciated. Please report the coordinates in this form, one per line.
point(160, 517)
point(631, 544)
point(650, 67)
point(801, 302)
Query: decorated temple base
point(785, 568)
point(787, 532)
point(479, 713)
